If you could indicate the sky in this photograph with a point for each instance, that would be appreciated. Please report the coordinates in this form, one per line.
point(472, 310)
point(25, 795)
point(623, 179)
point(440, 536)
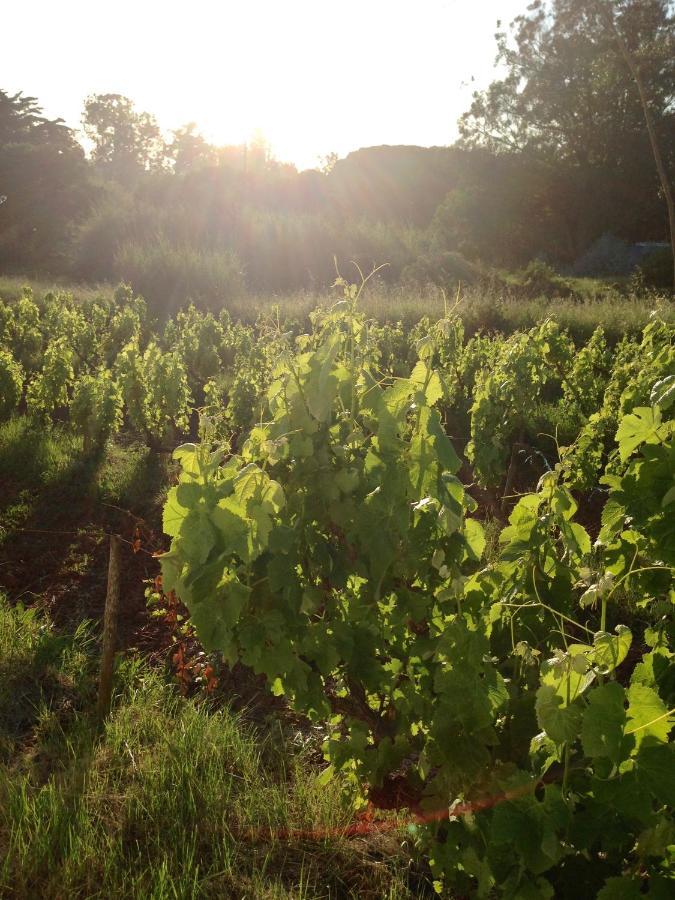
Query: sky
point(314, 76)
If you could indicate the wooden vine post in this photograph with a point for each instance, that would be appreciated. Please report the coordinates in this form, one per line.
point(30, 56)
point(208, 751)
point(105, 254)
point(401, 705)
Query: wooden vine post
point(109, 629)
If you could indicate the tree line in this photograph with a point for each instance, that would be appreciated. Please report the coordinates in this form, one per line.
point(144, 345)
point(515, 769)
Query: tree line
point(551, 156)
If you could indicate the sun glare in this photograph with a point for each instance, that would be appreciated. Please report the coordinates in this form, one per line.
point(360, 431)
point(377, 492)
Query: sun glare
point(314, 77)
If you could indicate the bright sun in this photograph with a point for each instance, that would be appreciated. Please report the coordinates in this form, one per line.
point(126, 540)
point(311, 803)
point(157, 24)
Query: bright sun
point(312, 75)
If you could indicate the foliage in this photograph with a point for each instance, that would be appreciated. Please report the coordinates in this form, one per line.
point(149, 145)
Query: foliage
point(96, 407)
point(170, 274)
point(566, 115)
point(185, 220)
point(163, 769)
point(124, 140)
point(657, 268)
point(45, 191)
point(23, 334)
point(155, 388)
point(199, 340)
point(586, 380)
point(636, 367)
point(539, 280)
point(335, 556)
point(11, 383)
point(290, 536)
point(507, 393)
point(48, 391)
point(562, 58)
point(517, 701)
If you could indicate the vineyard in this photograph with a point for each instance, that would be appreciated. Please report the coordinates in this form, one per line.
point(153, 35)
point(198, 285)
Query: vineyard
point(445, 557)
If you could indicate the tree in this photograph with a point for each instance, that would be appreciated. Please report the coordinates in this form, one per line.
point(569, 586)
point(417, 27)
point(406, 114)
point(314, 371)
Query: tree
point(567, 93)
point(662, 46)
point(189, 150)
point(43, 180)
point(569, 98)
point(259, 156)
point(125, 141)
point(327, 163)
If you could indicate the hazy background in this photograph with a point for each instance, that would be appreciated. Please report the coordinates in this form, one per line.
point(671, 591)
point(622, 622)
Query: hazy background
point(314, 76)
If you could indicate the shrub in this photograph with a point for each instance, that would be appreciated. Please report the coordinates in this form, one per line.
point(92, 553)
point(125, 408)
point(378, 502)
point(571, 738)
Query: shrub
point(96, 408)
point(49, 389)
point(167, 275)
point(657, 268)
point(539, 279)
point(11, 384)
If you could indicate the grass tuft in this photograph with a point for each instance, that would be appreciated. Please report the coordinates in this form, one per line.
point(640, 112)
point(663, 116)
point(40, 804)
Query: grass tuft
point(172, 799)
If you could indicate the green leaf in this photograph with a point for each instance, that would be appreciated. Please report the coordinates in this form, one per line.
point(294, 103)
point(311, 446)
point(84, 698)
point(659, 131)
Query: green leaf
point(474, 535)
point(171, 564)
point(613, 517)
point(611, 650)
point(214, 617)
point(321, 385)
point(447, 457)
point(647, 716)
point(638, 428)
point(230, 520)
point(396, 399)
point(173, 514)
point(569, 673)
point(249, 483)
point(188, 494)
point(581, 538)
point(663, 392)
point(559, 722)
point(655, 766)
point(604, 722)
point(347, 480)
point(624, 887)
point(188, 456)
point(197, 536)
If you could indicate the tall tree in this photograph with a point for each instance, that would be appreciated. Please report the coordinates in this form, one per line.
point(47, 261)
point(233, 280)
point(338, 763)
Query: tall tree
point(189, 150)
point(125, 141)
point(660, 45)
point(568, 97)
point(43, 180)
point(566, 91)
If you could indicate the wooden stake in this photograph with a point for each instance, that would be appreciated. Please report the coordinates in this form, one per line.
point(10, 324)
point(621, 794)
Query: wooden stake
point(109, 629)
point(511, 473)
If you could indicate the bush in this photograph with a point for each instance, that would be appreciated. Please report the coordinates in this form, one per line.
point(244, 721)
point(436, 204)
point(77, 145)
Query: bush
point(657, 268)
point(443, 268)
point(11, 384)
point(167, 276)
point(49, 389)
point(539, 279)
point(96, 408)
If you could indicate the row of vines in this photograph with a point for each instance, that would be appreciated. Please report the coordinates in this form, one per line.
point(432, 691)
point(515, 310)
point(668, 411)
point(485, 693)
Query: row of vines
point(514, 405)
point(514, 693)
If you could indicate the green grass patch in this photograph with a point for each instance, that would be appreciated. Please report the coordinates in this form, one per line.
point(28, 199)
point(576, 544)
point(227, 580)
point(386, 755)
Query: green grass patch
point(171, 799)
point(11, 287)
point(32, 454)
point(133, 477)
point(32, 458)
point(498, 307)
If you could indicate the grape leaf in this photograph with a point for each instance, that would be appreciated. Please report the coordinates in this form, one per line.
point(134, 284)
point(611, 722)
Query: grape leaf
point(604, 722)
point(637, 428)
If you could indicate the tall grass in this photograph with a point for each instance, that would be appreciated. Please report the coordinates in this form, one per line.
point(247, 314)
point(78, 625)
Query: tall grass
point(175, 277)
point(172, 799)
point(11, 288)
point(168, 276)
point(481, 309)
point(31, 459)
